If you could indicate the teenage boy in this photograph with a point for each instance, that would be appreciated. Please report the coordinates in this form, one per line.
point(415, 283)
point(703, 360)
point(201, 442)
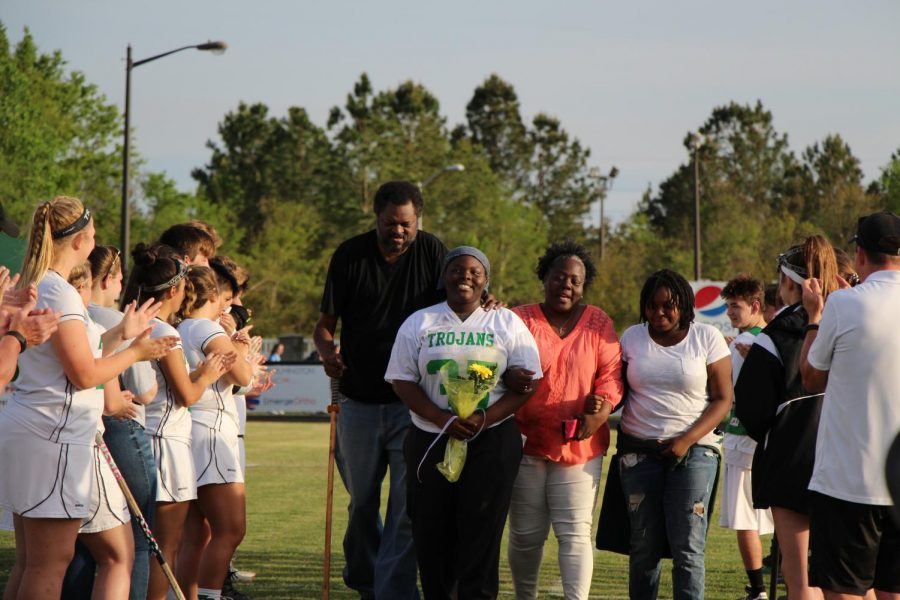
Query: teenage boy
point(744, 297)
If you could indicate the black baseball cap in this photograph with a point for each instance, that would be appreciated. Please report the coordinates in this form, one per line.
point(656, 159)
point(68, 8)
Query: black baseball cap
point(7, 226)
point(879, 232)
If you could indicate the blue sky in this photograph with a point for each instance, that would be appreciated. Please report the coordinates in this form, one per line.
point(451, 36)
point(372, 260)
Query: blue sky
point(629, 79)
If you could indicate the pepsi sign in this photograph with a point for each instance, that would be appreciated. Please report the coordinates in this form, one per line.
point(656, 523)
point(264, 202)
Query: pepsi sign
point(709, 307)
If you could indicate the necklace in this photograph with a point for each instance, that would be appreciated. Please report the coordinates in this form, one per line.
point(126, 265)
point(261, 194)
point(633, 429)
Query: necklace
point(561, 329)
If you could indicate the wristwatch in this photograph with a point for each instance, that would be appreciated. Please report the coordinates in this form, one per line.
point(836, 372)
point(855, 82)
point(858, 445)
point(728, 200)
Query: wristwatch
point(23, 345)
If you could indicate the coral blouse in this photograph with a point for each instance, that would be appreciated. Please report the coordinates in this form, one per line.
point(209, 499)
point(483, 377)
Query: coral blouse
point(586, 361)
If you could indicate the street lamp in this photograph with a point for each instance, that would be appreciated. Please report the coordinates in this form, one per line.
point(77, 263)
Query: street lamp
point(605, 183)
point(696, 142)
point(125, 223)
point(457, 167)
point(454, 168)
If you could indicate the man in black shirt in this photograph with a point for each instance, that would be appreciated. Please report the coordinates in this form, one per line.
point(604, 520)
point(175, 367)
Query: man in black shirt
point(375, 281)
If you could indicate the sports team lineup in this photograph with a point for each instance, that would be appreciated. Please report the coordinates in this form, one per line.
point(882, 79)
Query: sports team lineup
point(122, 439)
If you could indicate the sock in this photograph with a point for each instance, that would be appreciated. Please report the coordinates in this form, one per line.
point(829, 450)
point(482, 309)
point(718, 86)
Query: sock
point(206, 594)
point(757, 584)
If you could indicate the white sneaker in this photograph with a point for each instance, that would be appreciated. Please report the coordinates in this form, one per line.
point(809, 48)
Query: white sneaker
point(749, 596)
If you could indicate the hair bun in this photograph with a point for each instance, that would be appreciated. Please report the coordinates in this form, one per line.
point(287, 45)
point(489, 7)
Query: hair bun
point(144, 255)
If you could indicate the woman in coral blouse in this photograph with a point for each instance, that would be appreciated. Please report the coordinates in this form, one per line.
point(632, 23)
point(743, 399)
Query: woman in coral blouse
point(564, 423)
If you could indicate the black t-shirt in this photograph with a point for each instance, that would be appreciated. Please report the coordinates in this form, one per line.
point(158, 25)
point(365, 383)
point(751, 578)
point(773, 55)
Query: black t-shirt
point(373, 298)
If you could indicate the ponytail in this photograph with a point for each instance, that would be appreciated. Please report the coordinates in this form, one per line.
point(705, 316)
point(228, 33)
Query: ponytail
point(821, 262)
point(39, 254)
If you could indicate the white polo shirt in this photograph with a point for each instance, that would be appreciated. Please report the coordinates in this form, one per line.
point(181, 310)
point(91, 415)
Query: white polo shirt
point(859, 344)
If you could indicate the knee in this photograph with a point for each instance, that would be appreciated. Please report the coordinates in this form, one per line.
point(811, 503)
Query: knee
point(231, 533)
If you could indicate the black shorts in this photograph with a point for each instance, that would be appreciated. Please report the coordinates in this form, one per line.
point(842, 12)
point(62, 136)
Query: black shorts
point(854, 546)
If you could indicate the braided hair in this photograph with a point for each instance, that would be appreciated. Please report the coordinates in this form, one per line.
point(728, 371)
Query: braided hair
point(679, 289)
point(201, 287)
point(52, 215)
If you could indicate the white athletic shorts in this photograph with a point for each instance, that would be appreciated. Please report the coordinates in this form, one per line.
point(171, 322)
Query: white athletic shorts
point(175, 479)
point(43, 479)
point(736, 510)
point(217, 457)
point(109, 509)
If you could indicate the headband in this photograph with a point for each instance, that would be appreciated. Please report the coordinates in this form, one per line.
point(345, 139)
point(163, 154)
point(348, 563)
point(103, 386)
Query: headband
point(792, 275)
point(182, 271)
point(795, 273)
point(466, 251)
point(78, 225)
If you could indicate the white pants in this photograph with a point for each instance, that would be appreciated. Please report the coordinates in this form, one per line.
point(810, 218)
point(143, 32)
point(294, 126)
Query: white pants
point(549, 493)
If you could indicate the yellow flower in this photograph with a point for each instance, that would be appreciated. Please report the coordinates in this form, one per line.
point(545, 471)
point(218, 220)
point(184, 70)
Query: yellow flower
point(481, 370)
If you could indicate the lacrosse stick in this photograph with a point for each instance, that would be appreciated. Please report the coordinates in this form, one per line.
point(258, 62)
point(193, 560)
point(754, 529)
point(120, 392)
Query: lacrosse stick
point(139, 517)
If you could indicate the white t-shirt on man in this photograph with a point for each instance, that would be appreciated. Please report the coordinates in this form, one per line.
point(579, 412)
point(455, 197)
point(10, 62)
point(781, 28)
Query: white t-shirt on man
point(859, 344)
point(667, 384)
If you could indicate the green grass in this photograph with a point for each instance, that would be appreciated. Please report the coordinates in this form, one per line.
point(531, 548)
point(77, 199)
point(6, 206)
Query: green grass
point(286, 523)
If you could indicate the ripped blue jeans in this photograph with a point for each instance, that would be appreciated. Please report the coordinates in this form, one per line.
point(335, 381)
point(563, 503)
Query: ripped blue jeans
point(668, 503)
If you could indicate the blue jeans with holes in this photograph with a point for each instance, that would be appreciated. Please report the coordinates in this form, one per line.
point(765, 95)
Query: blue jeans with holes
point(668, 503)
point(380, 557)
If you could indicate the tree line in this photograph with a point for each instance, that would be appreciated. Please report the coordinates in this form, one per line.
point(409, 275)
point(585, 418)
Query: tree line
point(283, 191)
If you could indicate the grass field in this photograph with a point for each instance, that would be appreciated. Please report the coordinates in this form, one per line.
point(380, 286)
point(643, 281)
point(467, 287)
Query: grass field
point(285, 533)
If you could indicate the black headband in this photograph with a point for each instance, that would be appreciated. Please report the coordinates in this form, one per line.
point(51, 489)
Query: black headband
point(75, 227)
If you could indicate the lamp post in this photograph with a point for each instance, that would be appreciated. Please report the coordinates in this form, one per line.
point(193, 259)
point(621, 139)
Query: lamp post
point(454, 168)
point(125, 222)
point(696, 142)
point(605, 183)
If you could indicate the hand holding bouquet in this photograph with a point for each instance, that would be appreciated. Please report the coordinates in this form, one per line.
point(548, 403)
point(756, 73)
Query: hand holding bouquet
point(465, 396)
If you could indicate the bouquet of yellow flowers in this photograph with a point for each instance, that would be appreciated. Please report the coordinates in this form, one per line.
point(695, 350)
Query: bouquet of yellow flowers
point(465, 396)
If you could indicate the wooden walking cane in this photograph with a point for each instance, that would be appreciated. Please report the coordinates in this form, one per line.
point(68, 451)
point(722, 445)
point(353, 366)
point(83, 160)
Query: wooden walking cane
point(138, 516)
point(333, 409)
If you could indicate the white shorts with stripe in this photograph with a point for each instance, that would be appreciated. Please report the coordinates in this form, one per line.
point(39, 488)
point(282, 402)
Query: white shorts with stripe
point(175, 478)
point(217, 456)
point(43, 479)
point(736, 510)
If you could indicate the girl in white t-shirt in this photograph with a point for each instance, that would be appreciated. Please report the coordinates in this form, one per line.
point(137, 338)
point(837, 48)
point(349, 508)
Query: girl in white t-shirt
point(667, 453)
point(159, 274)
point(214, 440)
point(52, 418)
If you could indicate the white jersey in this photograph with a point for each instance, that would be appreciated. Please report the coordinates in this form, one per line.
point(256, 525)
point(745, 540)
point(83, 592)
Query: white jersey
point(215, 408)
point(165, 417)
point(138, 377)
point(44, 401)
point(435, 336)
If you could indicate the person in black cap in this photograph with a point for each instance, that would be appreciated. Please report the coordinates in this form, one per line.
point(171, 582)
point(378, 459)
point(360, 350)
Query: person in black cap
point(852, 352)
